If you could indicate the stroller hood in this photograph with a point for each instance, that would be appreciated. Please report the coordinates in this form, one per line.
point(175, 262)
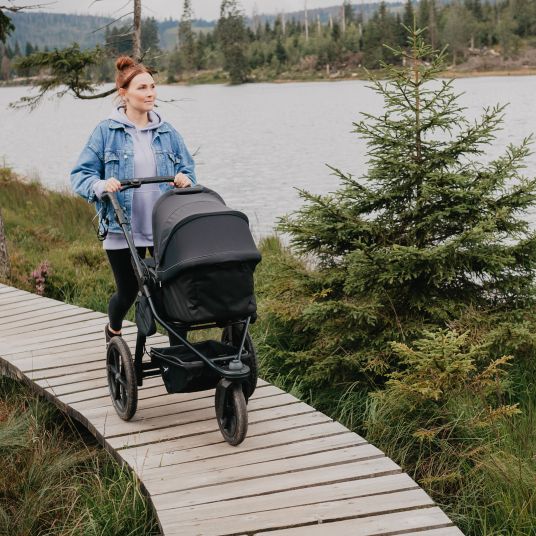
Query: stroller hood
point(193, 227)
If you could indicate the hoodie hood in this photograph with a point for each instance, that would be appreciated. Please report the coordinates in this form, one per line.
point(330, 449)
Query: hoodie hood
point(119, 115)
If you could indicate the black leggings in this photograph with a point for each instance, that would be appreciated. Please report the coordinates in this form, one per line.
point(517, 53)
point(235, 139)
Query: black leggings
point(126, 283)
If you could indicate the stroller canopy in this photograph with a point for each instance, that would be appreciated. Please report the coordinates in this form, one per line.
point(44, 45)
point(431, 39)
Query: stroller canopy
point(193, 227)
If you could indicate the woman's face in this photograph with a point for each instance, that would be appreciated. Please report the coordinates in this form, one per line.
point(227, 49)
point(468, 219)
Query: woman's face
point(140, 93)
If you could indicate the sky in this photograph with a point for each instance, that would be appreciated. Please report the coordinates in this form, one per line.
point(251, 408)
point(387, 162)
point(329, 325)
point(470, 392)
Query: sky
point(161, 9)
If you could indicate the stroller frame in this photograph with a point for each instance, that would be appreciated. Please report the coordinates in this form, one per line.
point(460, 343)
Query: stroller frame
point(232, 390)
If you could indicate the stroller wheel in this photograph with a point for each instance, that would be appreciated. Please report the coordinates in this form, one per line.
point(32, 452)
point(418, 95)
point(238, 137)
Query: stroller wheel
point(231, 335)
point(231, 412)
point(121, 378)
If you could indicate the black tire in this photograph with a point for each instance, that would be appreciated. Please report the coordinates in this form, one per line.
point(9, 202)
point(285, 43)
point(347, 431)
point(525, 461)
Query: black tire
point(233, 418)
point(232, 335)
point(121, 378)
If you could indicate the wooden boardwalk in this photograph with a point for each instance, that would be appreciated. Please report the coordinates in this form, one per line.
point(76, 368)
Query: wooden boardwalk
point(297, 473)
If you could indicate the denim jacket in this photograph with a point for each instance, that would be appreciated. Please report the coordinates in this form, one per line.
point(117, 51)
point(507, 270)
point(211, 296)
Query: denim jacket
point(109, 153)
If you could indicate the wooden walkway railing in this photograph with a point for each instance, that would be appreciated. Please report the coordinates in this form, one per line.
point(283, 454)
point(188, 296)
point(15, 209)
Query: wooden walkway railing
point(297, 473)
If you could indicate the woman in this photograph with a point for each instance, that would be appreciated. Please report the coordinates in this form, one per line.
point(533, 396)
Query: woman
point(133, 142)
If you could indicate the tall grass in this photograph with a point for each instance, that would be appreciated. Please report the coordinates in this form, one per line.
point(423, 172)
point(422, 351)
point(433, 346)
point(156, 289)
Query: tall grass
point(55, 482)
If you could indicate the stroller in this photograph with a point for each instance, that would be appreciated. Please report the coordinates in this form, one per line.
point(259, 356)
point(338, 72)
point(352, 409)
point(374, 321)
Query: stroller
point(201, 277)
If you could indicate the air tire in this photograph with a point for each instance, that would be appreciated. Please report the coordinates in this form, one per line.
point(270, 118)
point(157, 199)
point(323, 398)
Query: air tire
point(231, 412)
point(232, 335)
point(121, 378)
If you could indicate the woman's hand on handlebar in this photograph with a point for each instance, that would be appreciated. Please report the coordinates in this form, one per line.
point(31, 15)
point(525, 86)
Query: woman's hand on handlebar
point(112, 185)
point(182, 181)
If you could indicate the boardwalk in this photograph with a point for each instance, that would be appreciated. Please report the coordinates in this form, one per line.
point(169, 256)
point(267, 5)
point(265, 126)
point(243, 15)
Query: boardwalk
point(297, 473)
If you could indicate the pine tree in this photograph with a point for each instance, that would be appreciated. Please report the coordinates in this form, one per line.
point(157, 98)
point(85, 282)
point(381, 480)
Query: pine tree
point(232, 36)
point(6, 26)
point(428, 232)
point(187, 38)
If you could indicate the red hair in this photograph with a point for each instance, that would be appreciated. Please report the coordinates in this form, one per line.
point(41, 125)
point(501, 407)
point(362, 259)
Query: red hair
point(126, 70)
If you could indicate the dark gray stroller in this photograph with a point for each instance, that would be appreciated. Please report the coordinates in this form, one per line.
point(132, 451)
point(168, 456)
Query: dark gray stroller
point(201, 277)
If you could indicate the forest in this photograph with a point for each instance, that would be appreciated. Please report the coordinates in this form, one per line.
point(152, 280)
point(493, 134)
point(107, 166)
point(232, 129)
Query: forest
point(341, 41)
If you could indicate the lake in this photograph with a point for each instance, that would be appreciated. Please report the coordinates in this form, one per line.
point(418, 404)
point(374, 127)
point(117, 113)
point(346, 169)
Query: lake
point(254, 144)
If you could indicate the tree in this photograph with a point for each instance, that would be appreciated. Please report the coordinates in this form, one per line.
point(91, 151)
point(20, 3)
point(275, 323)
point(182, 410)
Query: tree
point(187, 38)
point(150, 41)
point(69, 69)
point(457, 29)
point(232, 36)
point(6, 26)
point(408, 18)
point(427, 233)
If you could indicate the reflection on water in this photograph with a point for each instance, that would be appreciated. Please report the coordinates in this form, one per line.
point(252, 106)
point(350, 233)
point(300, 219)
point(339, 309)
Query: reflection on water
point(255, 143)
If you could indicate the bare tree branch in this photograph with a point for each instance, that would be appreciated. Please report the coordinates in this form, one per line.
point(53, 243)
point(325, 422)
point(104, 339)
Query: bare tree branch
point(14, 9)
point(112, 22)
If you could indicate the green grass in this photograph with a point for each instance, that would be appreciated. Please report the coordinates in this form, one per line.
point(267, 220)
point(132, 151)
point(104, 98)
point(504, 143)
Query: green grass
point(56, 481)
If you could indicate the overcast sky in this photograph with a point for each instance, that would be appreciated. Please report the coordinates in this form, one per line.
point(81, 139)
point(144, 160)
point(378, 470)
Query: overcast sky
point(161, 9)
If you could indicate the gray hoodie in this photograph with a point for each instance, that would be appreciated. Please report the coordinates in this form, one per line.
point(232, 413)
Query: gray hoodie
point(144, 198)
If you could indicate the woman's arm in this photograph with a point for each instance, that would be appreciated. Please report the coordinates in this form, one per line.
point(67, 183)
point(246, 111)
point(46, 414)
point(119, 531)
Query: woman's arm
point(89, 169)
point(185, 165)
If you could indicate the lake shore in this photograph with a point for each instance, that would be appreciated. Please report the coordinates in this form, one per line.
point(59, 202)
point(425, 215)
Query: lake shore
point(219, 77)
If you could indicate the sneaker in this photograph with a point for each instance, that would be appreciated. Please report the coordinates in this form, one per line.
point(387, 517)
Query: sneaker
point(108, 334)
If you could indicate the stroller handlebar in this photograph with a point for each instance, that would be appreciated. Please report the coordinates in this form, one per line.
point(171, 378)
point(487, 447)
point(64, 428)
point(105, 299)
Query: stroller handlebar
point(136, 183)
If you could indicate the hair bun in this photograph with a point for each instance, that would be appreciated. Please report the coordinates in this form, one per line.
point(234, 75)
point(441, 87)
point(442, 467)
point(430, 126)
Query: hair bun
point(124, 62)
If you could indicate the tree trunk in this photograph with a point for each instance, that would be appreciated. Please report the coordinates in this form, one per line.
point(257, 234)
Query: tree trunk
point(136, 38)
point(4, 258)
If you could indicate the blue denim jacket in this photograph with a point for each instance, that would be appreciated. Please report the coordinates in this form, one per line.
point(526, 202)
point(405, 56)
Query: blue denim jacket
point(109, 153)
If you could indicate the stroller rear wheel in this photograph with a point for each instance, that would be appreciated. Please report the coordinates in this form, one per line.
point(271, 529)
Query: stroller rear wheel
point(231, 412)
point(121, 378)
point(232, 335)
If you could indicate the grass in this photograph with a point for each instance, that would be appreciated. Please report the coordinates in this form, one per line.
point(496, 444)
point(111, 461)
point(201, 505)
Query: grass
point(56, 480)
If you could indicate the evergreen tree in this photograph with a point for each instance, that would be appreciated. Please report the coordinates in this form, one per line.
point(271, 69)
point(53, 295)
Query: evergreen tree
point(232, 36)
point(6, 26)
point(187, 38)
point(408, 18)
point(427, 233)
point(150, 41)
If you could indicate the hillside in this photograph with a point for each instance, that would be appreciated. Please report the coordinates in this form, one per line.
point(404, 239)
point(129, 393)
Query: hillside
point(58, 30)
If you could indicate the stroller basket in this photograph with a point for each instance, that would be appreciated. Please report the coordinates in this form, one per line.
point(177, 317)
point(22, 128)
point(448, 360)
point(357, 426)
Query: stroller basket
point(182, 370)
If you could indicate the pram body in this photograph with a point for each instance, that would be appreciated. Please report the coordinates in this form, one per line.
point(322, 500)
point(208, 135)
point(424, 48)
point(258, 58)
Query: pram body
point(201, 277)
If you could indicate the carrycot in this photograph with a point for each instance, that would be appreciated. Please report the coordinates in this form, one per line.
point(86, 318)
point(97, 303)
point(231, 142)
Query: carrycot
point(205, 257)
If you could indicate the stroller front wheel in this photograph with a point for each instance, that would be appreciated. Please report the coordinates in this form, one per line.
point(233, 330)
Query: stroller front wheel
point(231, 412)
point(232, 335)
point(121, 378)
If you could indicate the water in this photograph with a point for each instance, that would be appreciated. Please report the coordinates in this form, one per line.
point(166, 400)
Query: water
point(255, 143)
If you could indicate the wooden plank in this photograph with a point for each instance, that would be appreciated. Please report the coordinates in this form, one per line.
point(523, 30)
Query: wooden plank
point(324, 512)
point(195, 411)
point(242, 459)
point(36, 307)
point(282, 467)
point(58, 372)
point(174, 452)
point(214, 438)
point(387, 524)
point(27, 318)
point(59, 325)
point(271, 502)
point(185, 402)
point(190, 428)
point(270, 484)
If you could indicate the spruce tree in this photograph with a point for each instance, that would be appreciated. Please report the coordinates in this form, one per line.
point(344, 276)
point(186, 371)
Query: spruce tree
point(233, 37)
point(187, 38)
point(430, 230)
